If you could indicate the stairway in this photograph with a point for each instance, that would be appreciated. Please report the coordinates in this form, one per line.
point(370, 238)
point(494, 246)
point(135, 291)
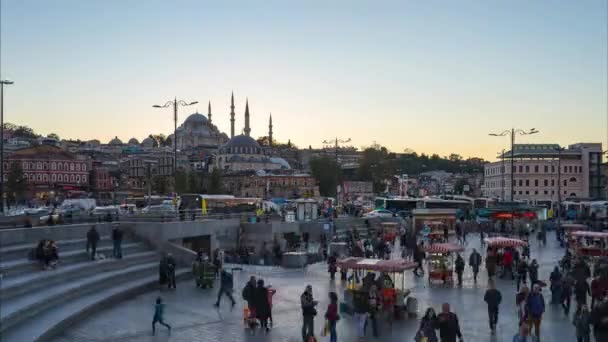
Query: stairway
point(37, 304)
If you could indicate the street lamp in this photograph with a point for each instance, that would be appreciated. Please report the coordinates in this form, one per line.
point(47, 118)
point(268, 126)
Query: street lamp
point(503, 170)
point(2, 83)
point(559, 189)
point(175, 103)
point(512, 132)
point(335, 142)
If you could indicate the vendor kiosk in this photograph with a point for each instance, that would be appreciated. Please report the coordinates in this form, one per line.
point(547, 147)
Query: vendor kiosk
point(440, 262)
point(589, 244)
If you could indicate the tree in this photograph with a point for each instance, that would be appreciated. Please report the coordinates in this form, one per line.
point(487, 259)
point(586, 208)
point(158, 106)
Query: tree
point(459, 186)
point(160, 140)
point(56, 137)
point(160, 184)
point(16, 184)
point(194, 183)
point(181, 182)
point(25, 132)
point(327, 173)
point(376, 165)
point(215, 182)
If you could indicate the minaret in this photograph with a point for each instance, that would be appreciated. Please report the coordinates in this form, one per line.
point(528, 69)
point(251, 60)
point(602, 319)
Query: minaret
point(209, 112)
point(270, 131)
point(232, 115)
point(247, 129)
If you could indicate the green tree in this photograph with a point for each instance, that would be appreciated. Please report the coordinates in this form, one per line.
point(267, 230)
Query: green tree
point(181, 182)
point(55, 136)
point(215, 182)
point(459, 186)
point(16, 184)
point(160, 185)
point(194, 183)
point(327, 173)
point(376, 165)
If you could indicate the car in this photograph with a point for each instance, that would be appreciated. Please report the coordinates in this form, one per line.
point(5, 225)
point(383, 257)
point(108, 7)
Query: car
point(379, 213)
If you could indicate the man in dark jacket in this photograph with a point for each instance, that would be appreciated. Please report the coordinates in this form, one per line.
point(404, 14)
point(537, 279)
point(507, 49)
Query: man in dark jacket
point(418, 258)
point(581, 290)
point(92, 239)
point(599, 319)
point(459, 266)
point(493, 299)
point(309, 312)
point(449, 328)
point(171, 265)
point(248, 292)
point(117, 242)
point(226, 285)
point(475, 262)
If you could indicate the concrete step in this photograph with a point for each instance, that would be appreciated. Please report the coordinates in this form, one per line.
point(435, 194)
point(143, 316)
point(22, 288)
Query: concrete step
point(22, 308)
point(8, 253)
point(20, 266)
point(28, 283)
point(55, 320)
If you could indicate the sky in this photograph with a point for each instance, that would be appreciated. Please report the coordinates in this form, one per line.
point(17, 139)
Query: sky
point(432, 76)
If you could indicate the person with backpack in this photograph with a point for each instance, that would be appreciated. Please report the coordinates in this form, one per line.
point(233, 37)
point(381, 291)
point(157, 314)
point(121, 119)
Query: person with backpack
point(309, 312)
point(159, 316)
point(475, 262)
point(535, 307)
point(493, 298)
point(459, 266)
point(92, 240)
point(226, 286)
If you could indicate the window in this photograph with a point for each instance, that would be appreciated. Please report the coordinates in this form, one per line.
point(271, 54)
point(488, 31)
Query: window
point(71, 166)
point(60, 177)
point(580, 169)
point(66, 178)
point(77, 177)
point(84, 167)
point(39, 178)
point(546, 168)
point(84, 178)
point(536, 182)
point(520, 192)
point(53, 166)
point(553, 182)
point(527, 168)
point(565, 182)
point(72, 177)
point(536, 168)
point(536, 192)
point(546, 192)
point(552, 192)
point(60, 167)
point(25, 166)
point(521, 169)
point(527, 182)
point(527, 192)
point(546, 182)
point(39, 166)
point(45, 178)
point(552, 168)
point(521, 182)
point(65, 166)
point(53, 178)
point(77, 167)
point(514, 169)
point(46, 165)
point(565, 169)
point(573, 180)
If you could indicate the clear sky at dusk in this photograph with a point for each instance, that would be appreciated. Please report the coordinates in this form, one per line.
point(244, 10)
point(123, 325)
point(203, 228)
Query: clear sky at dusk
point(434, 76)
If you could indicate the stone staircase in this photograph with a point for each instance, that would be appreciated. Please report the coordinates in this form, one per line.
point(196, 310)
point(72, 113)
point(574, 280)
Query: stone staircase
point(38, 304)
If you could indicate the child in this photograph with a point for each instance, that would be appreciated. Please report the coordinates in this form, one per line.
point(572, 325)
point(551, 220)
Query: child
point(159, 310)
point(581, 321)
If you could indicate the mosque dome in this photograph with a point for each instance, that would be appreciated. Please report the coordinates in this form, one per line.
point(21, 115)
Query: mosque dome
point(115, 142)
point(133, 141)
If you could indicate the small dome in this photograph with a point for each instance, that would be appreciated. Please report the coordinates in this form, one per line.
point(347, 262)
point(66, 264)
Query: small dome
point(133, 141)
point(115, 142)
point(196, 118)
point(148, 142)
point(242, 141)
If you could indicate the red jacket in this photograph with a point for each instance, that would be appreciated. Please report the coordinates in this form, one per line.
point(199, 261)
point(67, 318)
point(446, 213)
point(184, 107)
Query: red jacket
point(507, 258)
point(332, 312)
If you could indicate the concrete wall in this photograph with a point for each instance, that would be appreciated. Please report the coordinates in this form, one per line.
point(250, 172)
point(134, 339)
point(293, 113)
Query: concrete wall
point(34, 234)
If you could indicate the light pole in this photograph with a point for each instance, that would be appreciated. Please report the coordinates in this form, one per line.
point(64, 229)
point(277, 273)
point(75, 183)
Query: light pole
point(175, 103)
point(336, 141)
point(559, 188)
point(2, 83)
point(512, 132)
point(503, 170)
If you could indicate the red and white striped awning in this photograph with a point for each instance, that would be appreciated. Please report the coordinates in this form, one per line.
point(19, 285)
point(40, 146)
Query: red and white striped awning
point(443, 248)
point(588, 234)
point(504, 242)
point(394, 265)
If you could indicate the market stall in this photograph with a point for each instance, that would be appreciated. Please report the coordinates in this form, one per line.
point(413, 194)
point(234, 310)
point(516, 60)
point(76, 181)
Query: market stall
point(394, 267)
point(503, 242)
point(435, 231)
point(390, 230)
point(591, 244)
point(440, 258)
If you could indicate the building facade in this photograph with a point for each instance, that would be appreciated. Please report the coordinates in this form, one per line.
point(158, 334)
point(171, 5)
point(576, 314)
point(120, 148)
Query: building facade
point(287, 186)
point(543, 172)
point(50, 171)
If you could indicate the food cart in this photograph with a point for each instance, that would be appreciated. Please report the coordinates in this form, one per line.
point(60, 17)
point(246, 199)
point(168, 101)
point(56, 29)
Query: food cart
point(396, 267)
point(441, 261)
point(433, 230)
point(589, 244)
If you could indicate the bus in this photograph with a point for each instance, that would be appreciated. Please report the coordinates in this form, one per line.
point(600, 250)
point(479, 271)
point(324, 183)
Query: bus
point(484, 203)
point(219, 204)
point(141, 202)
point(463, 207)
point(396, 204)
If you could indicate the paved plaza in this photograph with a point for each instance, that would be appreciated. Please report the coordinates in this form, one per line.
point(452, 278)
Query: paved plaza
point(191, 313)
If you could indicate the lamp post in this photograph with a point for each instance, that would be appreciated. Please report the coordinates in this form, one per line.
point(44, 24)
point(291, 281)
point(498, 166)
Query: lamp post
point(512, 132)
point(175, 103)
point(336, 141)
point(559, 189)
point(2, 83)
point(503, 170)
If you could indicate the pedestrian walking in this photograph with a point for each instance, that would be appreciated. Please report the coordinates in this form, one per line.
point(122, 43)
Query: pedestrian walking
point(309, 312)
point(522, 272)
point(248, 292)
point(92, 239)
point(271, 292)
point(581, 290)
point(428, 325)
point(262, 307)
point(493, 297)
point(226, 287)
point(507, 264)
point(520, 301)
point(171, 265)
point(459, 266)
point(419, 256)
point(373, 304)
point(491, 261)
point(360, 307)
point(159, 316)
point(533, 272)
point(332, 317)
point(535, 307)
point(332, 267)
point(582, 322)
point(556, 287)
point(475, 262)
point(599, 319)
point(567, 289)
point(449, 328)
point(117, 242)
